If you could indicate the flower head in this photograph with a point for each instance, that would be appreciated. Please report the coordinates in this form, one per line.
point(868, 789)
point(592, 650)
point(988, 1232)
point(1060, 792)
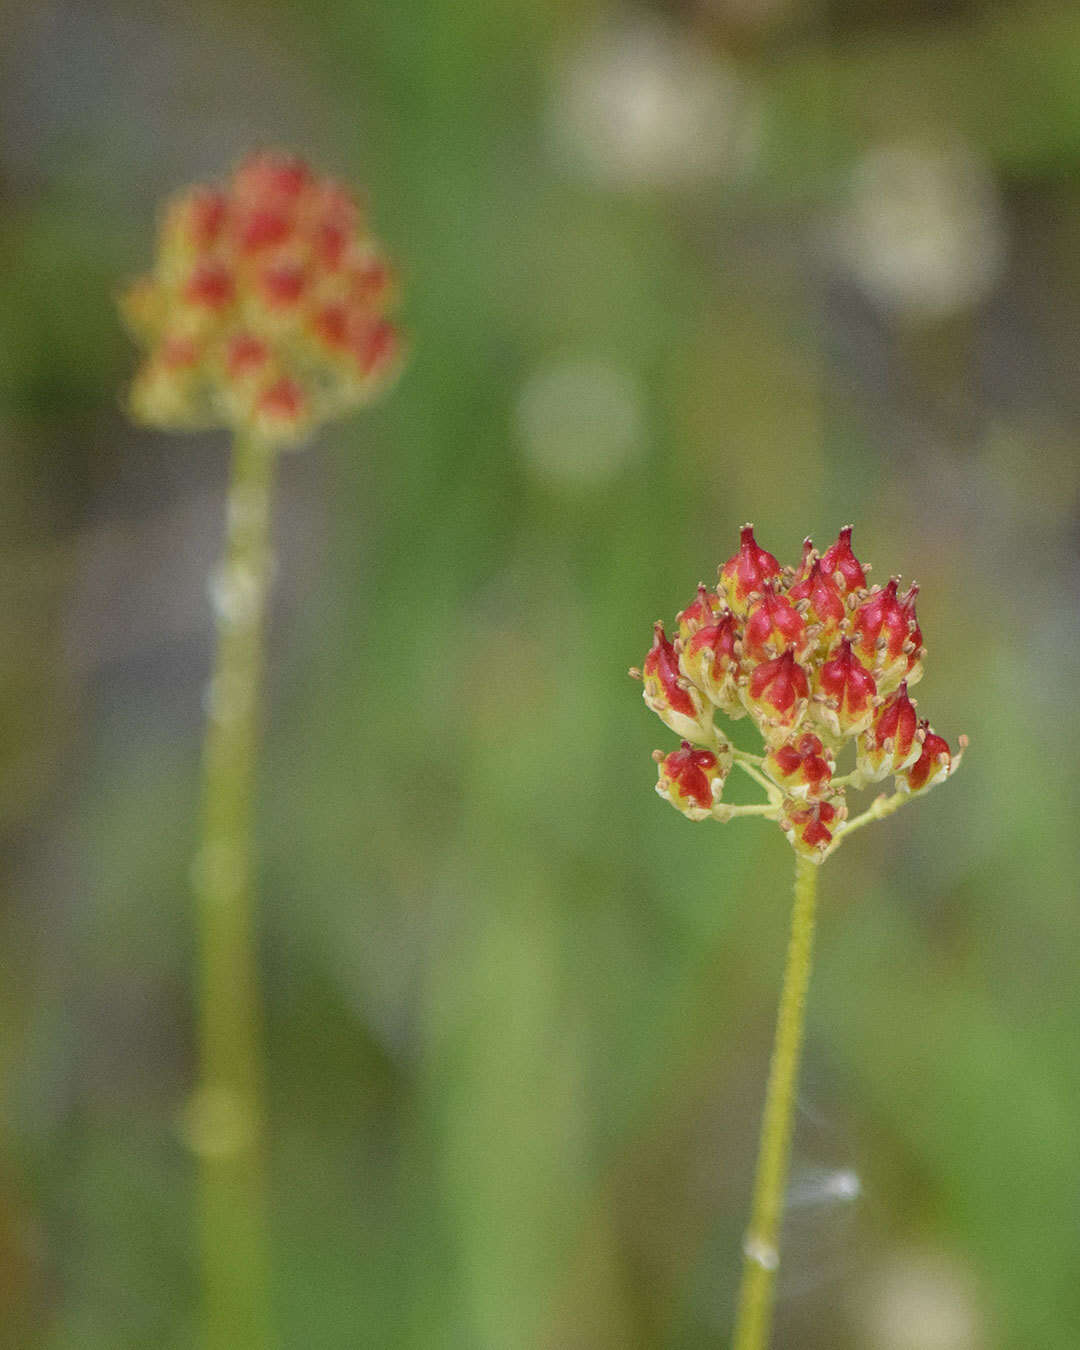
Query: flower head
point(266, 309)
point(820, 660)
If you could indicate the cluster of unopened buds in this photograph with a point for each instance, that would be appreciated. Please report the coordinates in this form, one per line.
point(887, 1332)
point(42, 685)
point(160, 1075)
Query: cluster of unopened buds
point(266, 310)
point(819, 659)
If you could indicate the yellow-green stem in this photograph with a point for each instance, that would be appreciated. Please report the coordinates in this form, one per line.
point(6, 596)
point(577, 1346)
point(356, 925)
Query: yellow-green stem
point(226, 1115)
point(762, 1247)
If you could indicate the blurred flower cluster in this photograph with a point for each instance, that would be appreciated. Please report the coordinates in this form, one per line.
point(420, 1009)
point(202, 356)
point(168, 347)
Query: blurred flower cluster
point(266, 309)
point(820, 660)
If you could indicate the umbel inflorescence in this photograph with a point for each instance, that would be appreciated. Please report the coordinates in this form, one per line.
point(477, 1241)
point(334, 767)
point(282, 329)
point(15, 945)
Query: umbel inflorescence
point(266, 310)
point(819, 659)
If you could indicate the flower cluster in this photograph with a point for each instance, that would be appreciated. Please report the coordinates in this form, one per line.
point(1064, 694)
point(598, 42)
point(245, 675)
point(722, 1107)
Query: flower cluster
point(819, 659)
point(266, 308)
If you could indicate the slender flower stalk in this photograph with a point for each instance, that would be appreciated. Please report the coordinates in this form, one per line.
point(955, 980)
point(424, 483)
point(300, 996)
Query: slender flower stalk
point(762, 1245)
point(821, 662)
point(265, 313)
point(226, 1122)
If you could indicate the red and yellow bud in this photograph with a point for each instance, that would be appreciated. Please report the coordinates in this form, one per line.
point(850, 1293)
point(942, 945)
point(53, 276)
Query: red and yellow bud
point(891, 743)
point(708, 661)
point(881, 629)
point(811, 827)
point(699, 613)
point(776, 695)
point(840, 563)
point(773, 626)
point(935, 762)
point(669, 694)
point(282, 410)
point(802, 766)
point(746, 572)
point(210, 287)
point(820, 601)
point(914, 646)
point(692, 779)
point(844, 693)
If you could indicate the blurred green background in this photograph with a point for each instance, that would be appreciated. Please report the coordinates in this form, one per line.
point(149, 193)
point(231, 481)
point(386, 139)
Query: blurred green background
point(667, 268)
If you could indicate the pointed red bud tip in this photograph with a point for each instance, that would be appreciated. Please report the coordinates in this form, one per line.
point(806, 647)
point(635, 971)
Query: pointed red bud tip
point(708, 660)
point(699, 612)
point(802, 766)
point(824, 598)
point(839, 559)
point(811, 826)
point(665, 691)
point(848, 689)
point(210, 286)
point(776, 695)
point(692, 779)
point(773, 626)
point(935, 763)
point(891, 743)
point(747, 571)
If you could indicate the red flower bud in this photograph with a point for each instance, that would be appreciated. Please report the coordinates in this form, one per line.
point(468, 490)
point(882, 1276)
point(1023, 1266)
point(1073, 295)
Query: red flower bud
point(747, 571)
point(914, 645)
point(666, 691)
point(773, 625)
point(374, 345)
point(842, 565)
point(281, 409)
point(890, 744)
point(699, 613)
point(202, 217)
point(880, 630)
point(708, 660)
point(282, 284)
point(776, 695)
point(935, 762)
point(801, 766)
point(692, 779)
point(844, 693)
point(245, 355)
point(370, 282)
point(210, 286)
point(811, 826)
point(821, 600)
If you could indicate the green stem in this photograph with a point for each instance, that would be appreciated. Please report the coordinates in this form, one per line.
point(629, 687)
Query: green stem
point(226, 1119)
point(878, 809)
point(762, 1245)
